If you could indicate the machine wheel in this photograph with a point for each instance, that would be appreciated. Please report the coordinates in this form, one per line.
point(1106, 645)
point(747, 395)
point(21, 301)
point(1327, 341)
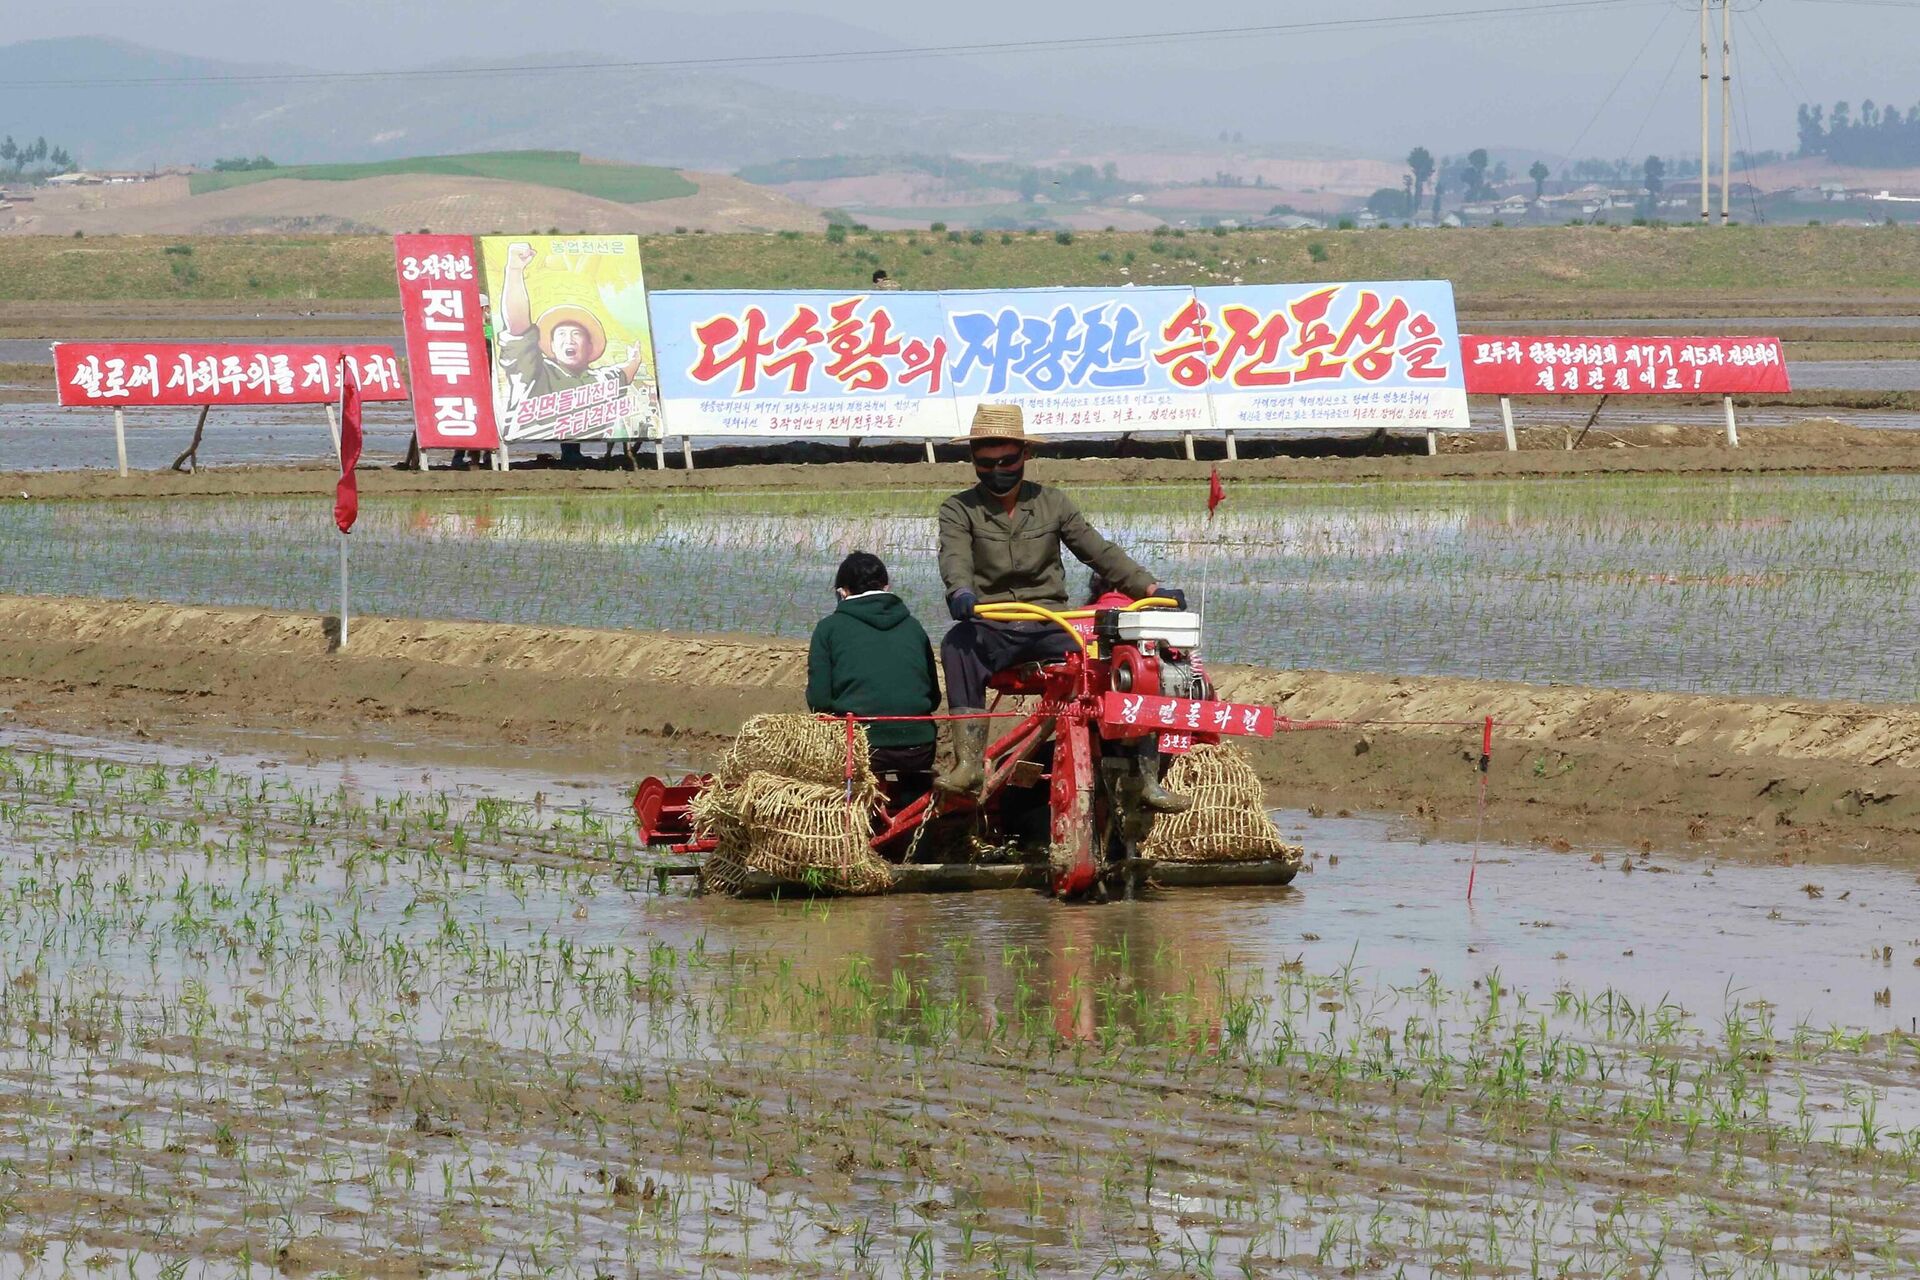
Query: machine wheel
point(647, 803)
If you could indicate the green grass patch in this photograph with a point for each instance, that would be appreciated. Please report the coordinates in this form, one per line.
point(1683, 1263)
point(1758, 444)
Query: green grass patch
point(625, 183)
point(1559, 273)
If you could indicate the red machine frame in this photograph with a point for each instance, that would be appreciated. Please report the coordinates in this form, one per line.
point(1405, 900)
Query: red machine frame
point(1085, 699)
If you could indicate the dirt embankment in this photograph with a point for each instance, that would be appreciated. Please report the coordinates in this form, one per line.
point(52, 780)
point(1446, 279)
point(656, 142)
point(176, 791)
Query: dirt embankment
point(1772, 775)
point(1813, 447)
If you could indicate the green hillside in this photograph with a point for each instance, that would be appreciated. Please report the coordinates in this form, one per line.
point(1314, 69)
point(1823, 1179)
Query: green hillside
point(624, 183)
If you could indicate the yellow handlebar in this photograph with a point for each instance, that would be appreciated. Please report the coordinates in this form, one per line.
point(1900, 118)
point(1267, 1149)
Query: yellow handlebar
point(1021, 611)
point(1017, 611)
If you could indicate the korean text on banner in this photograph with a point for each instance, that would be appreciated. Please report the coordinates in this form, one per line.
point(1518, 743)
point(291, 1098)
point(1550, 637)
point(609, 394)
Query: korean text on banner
point(804, 364)
point(1622, 366)
point(1074, 360)
point(133, 375)
point(440, 301)
point(1331, 355)
point(573, 348)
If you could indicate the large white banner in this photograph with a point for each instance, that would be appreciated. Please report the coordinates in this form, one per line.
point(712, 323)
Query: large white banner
point(1078, 361)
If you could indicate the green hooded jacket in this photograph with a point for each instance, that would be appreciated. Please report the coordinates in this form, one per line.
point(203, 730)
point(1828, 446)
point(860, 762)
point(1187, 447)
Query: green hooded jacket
point(871, 658)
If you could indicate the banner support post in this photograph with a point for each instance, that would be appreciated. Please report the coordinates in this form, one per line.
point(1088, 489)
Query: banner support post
point(1733, 432)
point(1433, 442)
point(120, 439)
point(1233, 448)
point(1506, 421)
point(502, 460)
point(1186, 438)
point(930, 457)
point(686, 452)
point(333, 427)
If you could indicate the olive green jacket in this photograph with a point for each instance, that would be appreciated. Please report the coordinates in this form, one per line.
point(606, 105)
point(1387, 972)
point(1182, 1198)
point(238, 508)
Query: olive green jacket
point(1017, 557)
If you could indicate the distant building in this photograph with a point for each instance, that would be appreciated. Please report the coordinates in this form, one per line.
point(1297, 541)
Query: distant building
point(1291, 222)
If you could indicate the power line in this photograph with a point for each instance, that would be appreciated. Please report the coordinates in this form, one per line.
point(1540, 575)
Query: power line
point(1660, 23)
point(1069, 43)
point(1769, 45)
point(1653, 100)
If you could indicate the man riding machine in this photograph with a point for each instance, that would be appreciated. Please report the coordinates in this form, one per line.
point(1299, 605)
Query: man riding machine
point(1000, 546)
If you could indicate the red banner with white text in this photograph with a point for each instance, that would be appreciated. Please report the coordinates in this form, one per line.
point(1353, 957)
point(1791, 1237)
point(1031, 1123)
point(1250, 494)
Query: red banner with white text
point(134, 375)
point(1509, 365)
point(446, 341)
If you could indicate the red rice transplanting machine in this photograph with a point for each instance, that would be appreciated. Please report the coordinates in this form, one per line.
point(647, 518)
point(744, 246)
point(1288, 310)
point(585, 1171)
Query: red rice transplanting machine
point(1131, 673)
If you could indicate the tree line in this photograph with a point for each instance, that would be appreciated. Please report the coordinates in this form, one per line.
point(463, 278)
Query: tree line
point(1879, 137)
point(34, 159)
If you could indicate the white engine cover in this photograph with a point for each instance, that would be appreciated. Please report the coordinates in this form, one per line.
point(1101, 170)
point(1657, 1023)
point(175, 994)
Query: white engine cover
point(1168, 626)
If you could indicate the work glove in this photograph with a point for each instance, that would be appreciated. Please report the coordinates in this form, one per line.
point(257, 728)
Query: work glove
point(1174, 594)
point(960, 604)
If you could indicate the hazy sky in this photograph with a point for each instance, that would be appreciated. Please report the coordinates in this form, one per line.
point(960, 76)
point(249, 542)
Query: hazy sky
point(1534, 80)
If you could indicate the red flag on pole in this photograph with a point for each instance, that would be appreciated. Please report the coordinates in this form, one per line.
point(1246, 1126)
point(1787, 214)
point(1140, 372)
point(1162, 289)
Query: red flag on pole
point(346, 495)
point(1215, 493)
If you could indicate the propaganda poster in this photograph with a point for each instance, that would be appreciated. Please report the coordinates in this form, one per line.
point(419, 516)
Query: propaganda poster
point(573, 350)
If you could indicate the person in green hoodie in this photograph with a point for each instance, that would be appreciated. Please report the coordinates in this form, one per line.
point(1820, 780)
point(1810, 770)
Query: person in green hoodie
point(869, 657)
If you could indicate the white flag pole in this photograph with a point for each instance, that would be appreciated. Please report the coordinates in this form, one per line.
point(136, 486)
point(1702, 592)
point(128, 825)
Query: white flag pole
point(343, 591)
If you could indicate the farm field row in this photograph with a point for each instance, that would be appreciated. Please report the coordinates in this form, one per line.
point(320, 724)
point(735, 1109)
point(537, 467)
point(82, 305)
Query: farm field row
point(1769, 585)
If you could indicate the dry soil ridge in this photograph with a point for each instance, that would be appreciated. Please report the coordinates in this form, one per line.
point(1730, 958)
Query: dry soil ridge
point(1815, 776)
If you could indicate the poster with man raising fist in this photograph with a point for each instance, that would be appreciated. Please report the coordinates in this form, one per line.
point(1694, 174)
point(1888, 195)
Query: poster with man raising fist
point(573, 352)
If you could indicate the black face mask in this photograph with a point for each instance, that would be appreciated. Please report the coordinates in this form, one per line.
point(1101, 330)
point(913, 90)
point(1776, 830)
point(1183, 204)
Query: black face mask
point(1001, 483)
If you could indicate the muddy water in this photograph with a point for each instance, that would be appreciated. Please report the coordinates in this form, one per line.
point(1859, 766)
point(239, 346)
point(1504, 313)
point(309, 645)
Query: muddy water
point(258, 1018)
point(33, 438)
point(1681, 929)
point(1703, 928)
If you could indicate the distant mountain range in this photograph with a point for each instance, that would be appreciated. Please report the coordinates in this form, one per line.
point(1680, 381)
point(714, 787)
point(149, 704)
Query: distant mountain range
point(685, 119)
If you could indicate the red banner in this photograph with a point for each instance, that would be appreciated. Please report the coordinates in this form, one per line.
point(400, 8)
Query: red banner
point(346, 494)
point(133, 375)
point(1134, 712)
point(446, 342)
point(1621, 366)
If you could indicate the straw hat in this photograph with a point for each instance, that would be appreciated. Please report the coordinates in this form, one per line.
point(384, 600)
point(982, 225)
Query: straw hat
point(567, 313)
point(997, 422)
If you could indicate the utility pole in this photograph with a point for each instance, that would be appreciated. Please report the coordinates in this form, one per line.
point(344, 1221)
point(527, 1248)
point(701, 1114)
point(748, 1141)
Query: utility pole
point(1726, 110)
point(1706, 104)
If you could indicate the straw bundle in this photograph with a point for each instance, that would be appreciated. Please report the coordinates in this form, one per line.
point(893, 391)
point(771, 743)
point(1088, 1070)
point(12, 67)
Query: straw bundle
point(805, 749)
point(799, 832)
point(1228, 821)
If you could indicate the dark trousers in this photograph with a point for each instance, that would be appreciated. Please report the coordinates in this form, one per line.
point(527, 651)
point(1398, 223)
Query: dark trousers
point(914, 759)
point(972, 651)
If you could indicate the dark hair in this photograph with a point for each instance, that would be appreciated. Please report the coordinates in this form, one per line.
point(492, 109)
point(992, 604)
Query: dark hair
point(879, 275)
point(1097, 586)
point(860, 573)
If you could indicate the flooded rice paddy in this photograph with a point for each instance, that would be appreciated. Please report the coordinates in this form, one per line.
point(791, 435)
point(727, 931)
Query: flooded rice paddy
point(1787, 585)
point(43, 438)
point(302, 1020)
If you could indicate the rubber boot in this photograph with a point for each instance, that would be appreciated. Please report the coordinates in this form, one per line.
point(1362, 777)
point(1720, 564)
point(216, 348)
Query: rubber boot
point(1146, 760)
point(969, 771)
